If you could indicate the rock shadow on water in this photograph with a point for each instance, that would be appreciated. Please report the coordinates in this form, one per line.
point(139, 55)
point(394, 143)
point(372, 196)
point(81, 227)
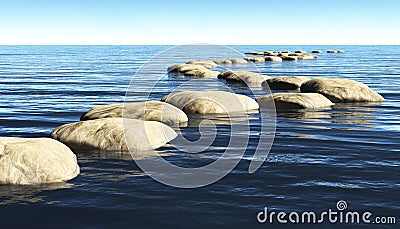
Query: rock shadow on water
point(340, 113)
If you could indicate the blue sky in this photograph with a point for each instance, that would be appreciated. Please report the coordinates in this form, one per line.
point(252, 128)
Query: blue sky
point(183, 22)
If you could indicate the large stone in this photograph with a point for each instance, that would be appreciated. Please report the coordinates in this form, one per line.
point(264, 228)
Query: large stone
point(27, 161)
point(273, 58)
point(341, 90)
point(146, 110)
point(295, 100)
point(255, 58)
point(285, 82)
point(250, 78)
point(193, 70)
point(205, 63)
point(210, 102)
point(110, 134)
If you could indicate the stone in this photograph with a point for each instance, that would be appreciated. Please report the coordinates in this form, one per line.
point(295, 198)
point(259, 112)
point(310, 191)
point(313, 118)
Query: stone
point(145, 110)
point(316, 51)
point(289, 58)
point(273, 58)
point(332, 51)
point(255, 59)
point(110, 134)
point(223, 61)
point(254, 53)
point(307, 57)
point(295, 100)
point(205, 63)
point(231, 61)
point(299, 51)
point(285, 82)
point(29, 161)
point(238, 61)
point(173, 67)
point(341, 90)
point(211, 102)
point(247, 77)
point(194, 71)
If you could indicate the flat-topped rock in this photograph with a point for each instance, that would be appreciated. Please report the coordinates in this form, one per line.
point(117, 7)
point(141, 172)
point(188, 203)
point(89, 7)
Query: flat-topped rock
point(341, 90)
point(114, 134)
point(273, 58)
point(193, 70)
point(307, 57)
point(289, 58)
point(28, 161)
point(145, 110)
point(205, 63)
point(254, 53)
point(231, 61)
point(316, 51)
point(295, 100)
point(255, 58)
point(210, 102)
point(285, 82)
point(250, 78)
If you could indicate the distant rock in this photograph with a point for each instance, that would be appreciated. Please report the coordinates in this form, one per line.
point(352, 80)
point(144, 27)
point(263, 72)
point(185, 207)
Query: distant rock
point(231, 61)
point(307, 57)
point(271, 54)
point(250, 78)
point(193, 70)
point(332, 51)
point(223, 62)
point(316, 51)
point(295, 100)
point(341, 90)
point(210, 102)
point(299, 51)
point(255, 58)
point(28, 161)
point(289, 58)
point(254, 53)
point(110, 134)
point(146, 110)
point(238, 61)
point(174, 67)
point(273, 58)
point(285, 82)
point(205, 63)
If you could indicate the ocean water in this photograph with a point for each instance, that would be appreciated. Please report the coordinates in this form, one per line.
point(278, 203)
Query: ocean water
point(350, 152)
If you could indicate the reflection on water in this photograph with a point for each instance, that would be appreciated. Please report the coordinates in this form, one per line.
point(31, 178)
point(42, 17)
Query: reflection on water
point(11, 194)
point(341, 113)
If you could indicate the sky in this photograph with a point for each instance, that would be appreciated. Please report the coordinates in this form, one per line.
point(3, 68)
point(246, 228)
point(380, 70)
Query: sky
point(173, 22)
